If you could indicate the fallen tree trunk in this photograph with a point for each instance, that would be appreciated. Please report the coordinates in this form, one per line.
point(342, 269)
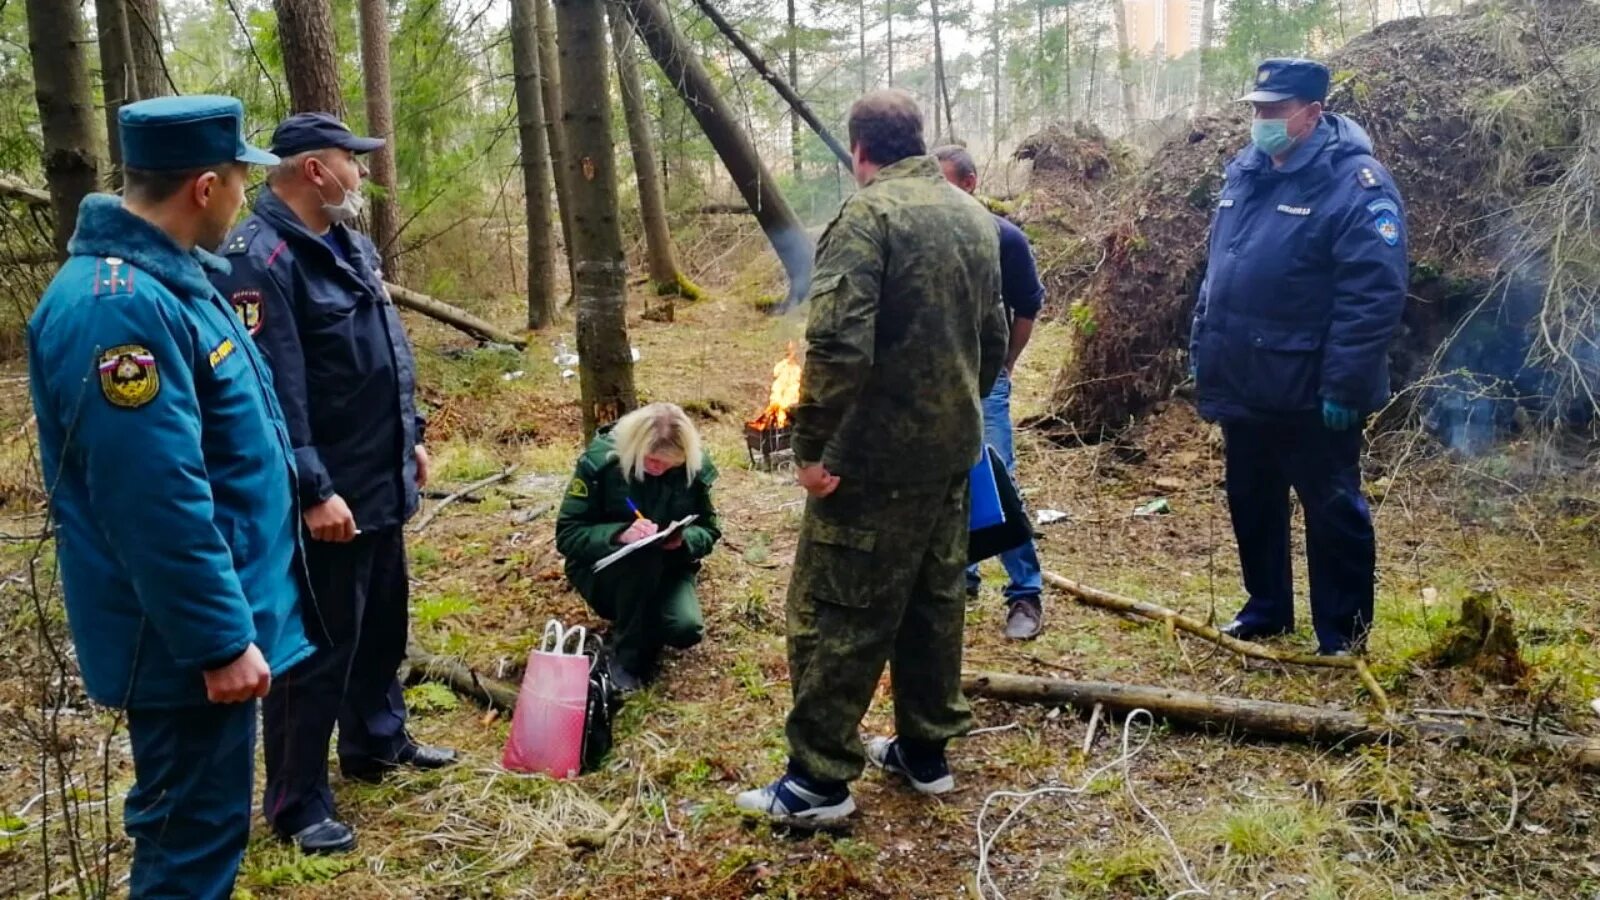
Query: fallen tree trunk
point(12, 189)
point(1283, 721)
point(461, 494)
point(452, 315)
point(490, 692)
point(778, 84)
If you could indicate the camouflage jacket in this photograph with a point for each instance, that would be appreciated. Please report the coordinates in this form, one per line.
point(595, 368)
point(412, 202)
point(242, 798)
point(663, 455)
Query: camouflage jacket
point(906, 332)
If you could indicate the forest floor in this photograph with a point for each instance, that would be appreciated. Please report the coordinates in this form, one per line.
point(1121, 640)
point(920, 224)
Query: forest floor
point(1247, 818)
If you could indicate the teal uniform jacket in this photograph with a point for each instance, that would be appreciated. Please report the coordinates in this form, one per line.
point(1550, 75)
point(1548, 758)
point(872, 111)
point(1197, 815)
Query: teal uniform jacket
point(595, 508)
point(169, 468)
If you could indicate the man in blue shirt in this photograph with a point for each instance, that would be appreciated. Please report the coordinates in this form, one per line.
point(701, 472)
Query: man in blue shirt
point(1023, 295)
point(172, 488)
point(1305, 283)
point(308, 288)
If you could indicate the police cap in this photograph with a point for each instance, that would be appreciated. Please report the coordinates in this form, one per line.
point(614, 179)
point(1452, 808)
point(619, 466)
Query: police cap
point(1286, 79)
point(171, 134)
point(305, 132)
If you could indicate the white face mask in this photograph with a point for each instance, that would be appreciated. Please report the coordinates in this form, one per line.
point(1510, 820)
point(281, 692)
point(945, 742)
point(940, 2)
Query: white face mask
point(349, 207)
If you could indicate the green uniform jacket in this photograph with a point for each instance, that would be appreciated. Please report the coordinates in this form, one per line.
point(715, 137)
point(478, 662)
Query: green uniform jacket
point(906, 333)
point(595, 509)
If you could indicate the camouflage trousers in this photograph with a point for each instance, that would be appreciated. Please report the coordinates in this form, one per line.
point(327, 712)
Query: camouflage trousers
point(877, 579)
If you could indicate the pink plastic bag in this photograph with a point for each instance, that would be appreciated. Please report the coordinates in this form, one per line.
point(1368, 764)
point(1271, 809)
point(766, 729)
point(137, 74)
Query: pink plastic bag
point(547, 727)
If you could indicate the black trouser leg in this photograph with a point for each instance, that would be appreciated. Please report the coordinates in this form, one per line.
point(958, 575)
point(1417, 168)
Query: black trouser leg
point(1258, 503)
point(372, 721)
point(300, 711)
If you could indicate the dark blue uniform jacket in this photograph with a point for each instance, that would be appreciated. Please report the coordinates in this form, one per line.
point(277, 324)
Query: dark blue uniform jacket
point(169, 467)
point(1305, 282)
point(342, 364)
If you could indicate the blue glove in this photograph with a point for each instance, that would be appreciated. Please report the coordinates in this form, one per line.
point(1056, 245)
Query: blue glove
point(1338, 418)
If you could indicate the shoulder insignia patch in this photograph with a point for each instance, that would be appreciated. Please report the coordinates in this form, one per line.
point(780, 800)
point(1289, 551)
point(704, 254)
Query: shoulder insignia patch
point(1378, 206)
point(247, 306)
point(128, 376)
point(112, 275)
point(239, 244)
point(1368, 178)
point(579, 488)
point(1388, 225)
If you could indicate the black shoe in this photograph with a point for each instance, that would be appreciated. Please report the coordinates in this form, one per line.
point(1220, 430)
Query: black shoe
point(1238, 629)
point(1024, 619)
point(328, 837)
point(624, 681)
point(416, 756)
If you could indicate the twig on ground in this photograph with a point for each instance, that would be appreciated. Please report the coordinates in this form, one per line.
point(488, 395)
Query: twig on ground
point(597, 840)
point(478, 485)
point(1094, 728)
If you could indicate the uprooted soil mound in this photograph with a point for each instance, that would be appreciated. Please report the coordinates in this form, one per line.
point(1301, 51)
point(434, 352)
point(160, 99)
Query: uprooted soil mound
point(1426, 91)
point(1077, 176)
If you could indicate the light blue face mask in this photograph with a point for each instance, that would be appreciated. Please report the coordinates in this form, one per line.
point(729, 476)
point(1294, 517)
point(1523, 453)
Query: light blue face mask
point(1271, 135)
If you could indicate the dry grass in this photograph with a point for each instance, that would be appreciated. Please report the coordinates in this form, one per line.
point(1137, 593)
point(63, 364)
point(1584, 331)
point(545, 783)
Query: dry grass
point(1250, 818)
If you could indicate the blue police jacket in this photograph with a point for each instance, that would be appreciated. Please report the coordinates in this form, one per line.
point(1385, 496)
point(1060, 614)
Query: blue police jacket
point(1305, 281)
point(169, 468)
point(342, 364)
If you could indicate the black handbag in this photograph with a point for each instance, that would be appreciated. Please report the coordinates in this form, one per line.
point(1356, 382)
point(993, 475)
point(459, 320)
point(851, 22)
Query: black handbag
point(599, 709)
point(1009, 534)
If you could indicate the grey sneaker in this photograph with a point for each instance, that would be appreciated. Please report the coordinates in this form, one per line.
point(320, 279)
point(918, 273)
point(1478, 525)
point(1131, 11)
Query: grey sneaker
point(787, 800)
point(932, 776)
point(1024, 620)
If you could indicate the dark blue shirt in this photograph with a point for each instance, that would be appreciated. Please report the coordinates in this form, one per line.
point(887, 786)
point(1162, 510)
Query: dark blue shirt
point(331, 238)
point(1020, 289)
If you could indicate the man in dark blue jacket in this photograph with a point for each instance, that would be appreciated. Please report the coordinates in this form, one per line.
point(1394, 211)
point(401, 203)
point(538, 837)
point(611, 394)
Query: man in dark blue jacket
point(172, 489)
point(1023, 296)
point(1304, 287)
point(309, 290)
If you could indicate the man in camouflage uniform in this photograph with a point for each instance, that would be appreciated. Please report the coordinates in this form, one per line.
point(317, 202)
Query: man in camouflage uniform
point(906, 335)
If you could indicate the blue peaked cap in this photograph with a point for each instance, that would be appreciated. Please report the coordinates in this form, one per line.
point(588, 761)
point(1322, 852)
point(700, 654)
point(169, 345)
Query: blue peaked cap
point(1284, 79)
point(170, 134)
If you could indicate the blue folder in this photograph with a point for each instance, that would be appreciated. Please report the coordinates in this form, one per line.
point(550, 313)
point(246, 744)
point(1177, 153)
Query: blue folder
point(986, 509)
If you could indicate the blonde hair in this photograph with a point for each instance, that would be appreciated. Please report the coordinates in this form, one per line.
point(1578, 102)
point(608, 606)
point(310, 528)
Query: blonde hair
point(660, 429)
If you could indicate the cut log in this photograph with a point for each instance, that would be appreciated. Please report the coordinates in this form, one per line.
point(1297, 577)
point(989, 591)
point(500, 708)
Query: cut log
point(479, 485)
point(490, 692)
point(1281, 721)
point(12, 189)
point(452, 315)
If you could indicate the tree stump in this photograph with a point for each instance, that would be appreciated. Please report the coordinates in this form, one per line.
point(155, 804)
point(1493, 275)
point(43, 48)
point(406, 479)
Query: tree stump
point(1483, 639)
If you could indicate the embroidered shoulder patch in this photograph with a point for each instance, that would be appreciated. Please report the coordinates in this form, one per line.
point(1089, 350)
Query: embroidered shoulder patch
point(578, 488)
point(1388, 225)
point(1378, 206)
point(128, 376)
point(247, 306)
point(222, 352)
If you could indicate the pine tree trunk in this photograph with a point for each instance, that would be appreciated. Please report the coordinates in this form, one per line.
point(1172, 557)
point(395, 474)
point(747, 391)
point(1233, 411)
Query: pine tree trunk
point(861, 36)
point(941, 88)
point(665, 275)
point(66, 110)
point(119, 83)
point(144, 37)
point(1130, 101)
point(606, 363)
point(550, 86)
point(1208, 15)
point(794, 79)
point(1066, 61)
point(683, 69)
point(305, 32)
point(380, 123)
point(536, 173)
point(994, 42)
point(888, 40)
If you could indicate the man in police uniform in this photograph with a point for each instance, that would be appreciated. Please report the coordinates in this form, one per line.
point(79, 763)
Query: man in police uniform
point(905, 337)
point(1305, 285)
point(1023, 296)
point(171, 485)
point(309, 290)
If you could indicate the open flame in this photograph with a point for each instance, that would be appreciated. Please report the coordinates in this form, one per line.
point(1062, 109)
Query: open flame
point(784, 395)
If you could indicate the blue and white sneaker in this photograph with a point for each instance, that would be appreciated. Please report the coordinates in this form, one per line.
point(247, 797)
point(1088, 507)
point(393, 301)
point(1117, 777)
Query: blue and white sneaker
point(788, 801)
point(930, 776)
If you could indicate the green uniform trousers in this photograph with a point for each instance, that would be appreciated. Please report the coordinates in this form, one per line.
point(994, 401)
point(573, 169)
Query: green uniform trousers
point(877, 579)
point(649, 598)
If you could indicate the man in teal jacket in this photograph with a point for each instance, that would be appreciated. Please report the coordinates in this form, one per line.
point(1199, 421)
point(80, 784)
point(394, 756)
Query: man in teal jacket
point(171, 484)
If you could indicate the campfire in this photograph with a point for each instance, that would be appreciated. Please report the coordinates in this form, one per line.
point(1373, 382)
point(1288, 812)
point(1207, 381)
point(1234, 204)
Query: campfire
point(768, 433)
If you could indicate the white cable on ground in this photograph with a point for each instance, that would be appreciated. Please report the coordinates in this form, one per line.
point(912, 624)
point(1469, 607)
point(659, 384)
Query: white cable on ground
point(989, 890)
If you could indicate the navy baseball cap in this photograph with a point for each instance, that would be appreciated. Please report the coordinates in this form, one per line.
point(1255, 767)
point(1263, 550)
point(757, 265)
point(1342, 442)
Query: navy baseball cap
point(304, 132)
point(171, 134)
point(1289, 79)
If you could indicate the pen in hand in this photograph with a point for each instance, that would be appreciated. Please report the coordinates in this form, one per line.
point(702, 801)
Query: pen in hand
point(636, 514)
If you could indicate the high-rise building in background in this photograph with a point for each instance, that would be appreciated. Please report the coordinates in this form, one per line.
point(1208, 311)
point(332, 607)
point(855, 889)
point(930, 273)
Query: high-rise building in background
point(1169, 28)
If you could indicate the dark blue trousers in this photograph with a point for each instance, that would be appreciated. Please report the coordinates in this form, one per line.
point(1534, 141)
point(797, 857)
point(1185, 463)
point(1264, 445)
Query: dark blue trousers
point(1265, 460)
point(188, 812)
point(362, 591)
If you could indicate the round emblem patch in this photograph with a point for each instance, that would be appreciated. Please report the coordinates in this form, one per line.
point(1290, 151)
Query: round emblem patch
point(1388, 228)
point(128, 376)
point(247, 306)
